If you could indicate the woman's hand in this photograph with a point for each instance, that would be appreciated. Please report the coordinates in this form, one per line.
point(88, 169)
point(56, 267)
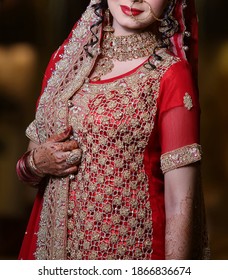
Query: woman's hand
point(58, 156)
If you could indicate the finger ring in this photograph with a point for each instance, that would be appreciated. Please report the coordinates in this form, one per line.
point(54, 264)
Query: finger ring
point(74, 156)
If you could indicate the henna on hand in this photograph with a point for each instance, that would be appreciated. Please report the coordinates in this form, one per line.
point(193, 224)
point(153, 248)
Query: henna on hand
point(50, 157)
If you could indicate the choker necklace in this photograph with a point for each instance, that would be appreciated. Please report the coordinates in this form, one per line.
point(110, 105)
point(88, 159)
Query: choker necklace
point(122, 48)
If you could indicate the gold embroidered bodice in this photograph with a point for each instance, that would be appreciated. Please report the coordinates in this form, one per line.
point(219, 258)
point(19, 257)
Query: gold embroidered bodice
point(109, 211)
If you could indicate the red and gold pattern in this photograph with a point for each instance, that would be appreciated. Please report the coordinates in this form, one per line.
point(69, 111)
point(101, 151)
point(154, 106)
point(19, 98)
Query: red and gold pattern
point(180, 157)
point(89, 217)
point(110, 215)
point(112, 122)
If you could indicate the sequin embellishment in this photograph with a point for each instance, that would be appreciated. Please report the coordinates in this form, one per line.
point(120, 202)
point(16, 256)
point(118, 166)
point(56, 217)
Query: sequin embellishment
point(180, 157)
point(188, 101)
point(117, 121)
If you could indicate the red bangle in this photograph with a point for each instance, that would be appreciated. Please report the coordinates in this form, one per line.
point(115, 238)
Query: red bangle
point(25, 173)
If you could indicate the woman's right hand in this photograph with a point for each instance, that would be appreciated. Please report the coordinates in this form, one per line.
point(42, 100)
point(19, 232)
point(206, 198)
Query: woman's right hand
point(53, 156)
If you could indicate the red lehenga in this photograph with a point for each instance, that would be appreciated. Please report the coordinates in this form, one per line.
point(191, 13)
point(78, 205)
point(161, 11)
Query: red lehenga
point(131, 129)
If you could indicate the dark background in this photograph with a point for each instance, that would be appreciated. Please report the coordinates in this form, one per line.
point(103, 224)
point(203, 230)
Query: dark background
point(30, 30)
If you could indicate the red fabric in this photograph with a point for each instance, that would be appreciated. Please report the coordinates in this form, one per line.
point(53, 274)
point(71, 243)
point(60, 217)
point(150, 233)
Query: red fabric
point(169, 124)
point(177, 125)
point(56, 56)
point(29, 242)
point(188, 21)
point(156, 190)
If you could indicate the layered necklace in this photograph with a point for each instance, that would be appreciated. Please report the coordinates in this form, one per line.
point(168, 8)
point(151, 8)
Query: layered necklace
point(122, 48)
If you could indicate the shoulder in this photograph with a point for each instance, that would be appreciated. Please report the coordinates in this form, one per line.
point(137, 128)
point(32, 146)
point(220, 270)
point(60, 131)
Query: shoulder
point(178, 72)
point(177, 84)
point(173, 64)
point(174, 70)
point(169, 66)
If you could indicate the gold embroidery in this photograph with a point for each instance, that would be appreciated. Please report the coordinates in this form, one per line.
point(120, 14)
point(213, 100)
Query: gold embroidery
point(51, 117)
point(112, 128)
point(188, 101)
point(110, 134)
point(180, 157)
point(31, 132)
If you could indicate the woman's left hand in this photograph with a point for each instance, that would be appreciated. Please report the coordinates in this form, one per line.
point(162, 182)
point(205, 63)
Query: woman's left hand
point(58, 156)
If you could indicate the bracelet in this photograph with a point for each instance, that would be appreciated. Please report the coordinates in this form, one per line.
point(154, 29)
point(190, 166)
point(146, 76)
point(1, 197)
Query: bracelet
point(32, 165)
point(25, 173)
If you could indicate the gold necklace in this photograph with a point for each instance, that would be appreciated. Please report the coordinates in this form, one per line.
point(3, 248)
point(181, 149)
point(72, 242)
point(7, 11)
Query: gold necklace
point(122, 48)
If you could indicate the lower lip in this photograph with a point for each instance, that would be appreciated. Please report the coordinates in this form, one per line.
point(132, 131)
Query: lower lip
point(130, 12)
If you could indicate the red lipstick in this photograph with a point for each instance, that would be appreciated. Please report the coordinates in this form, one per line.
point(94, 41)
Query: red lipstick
point(129, 12)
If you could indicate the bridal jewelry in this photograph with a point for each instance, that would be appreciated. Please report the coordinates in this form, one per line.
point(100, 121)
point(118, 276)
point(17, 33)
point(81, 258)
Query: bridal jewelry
point(108, 27)
point(150, 12)
point(74, 157)
point(123, 48)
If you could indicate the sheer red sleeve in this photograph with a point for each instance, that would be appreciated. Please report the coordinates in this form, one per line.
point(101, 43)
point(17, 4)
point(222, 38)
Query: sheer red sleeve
point(179, 118)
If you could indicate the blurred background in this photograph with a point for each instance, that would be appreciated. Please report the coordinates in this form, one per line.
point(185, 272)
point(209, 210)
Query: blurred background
point(30, 31)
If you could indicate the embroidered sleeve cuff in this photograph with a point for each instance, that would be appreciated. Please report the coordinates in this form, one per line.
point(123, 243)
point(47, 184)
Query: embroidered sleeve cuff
point(180, 157)
point(31, 132)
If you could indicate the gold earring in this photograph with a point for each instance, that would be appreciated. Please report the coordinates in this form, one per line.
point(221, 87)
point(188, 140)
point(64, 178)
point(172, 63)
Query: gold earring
point(108, 27)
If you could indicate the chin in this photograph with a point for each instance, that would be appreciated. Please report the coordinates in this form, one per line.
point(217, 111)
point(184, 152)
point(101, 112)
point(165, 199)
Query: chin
point(130, 26)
